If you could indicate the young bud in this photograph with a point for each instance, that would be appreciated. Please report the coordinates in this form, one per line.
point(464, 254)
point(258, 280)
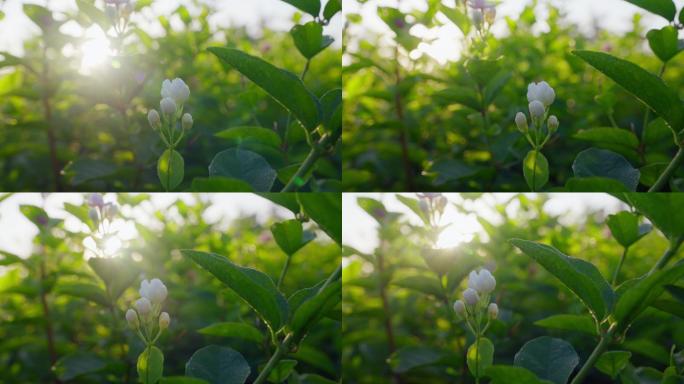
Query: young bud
point(95, 200)
point(94, 216)
point(155, 291)
point(553, 124)
point(490, 15)
point(164, 320)
point(482, 282)
point(168, 106)
point(459, 308)
point(187, 121)
point(154, 119)
point(132, 319)
point(493, 311)
point(470, 296)
point(521, 122)
point(478, 17)
point(176, 90)
point(111, 210)
point(143, 306)
point(537, 109)
point(541, 92)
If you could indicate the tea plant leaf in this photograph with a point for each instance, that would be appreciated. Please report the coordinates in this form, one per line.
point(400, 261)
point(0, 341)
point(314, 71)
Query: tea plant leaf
point(536, 170)
point(285, 87)
point(282, 371)
point(332, 7)
point(594, 162)
point(312, 7)
point(170, 169)
point(658, 209)
point(312, 310)
point(412, 357)
point(77, 364)
point(325, 208)
point(625, 228)
point(613, 362)
point(581, 277)
point(617, 140)
point(664, 8)
point(309, 39)
point(290, 236)
point(234, 330)
point(672, 307)
point(86, 291)
point(580, 323)
point(506, 374)
point(253, 286)
point(480, 356)
point(244, 165)
point(219, 184)
point(644, 85)
point(549, 358)
point(218, 365)
point(150, 365)
point(664, 42)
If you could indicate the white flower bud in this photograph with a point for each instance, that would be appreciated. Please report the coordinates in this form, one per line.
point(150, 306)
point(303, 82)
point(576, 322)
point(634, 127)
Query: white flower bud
point(132, 318)
point(111, 13)
point(187, 121)
point(493, 311)
point(537, 109)
point(168, 106)
point(143, 306)
point(490, 15)
point(111, 210)
point(423, 205)
point(521, 122)
point(541, 92)
point(459, 308)
point(95, 200)
point(154, 119)
point(176, 89)
point(164, 320)
point(478, 17)
point(155, 291)
point(553, 123)
point(94, 216)
point(482, 282)
point(470, 296)
point(441, 203)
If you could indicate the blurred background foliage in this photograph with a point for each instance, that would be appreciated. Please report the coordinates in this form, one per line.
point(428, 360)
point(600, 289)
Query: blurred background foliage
point(97, 116)
point(93, 344)
point(429, 343)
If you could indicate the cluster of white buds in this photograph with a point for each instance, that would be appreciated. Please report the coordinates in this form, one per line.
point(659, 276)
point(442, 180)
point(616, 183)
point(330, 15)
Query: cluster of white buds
point(99, 210)
point(483, 13)
point(475, 307)
point(118, 12)
point(146, 317)
point(540, 97)
point(174, 94)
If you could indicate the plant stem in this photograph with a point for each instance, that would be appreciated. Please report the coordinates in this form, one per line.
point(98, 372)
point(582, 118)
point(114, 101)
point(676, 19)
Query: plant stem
point(584, 371)
point(337, 273)
point(671, 251)
point(284, 271)
point(273, 361)
point(317, 150)
point(47, 109)
point(619, 266)
point(48, 320)
point(403, 135)
point(389, 330)
point(664, 178)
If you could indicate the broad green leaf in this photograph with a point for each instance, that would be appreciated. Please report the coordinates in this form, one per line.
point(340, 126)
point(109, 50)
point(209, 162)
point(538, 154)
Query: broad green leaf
point(312, 7)
point(459, 95)
point(331, 107)
point(37, 216)
point(637, 297)
point(670, 306)
point(325, 208)
point(85, 170)
point(664, 42)
point(312, 310)
point(76, 364)
point(594, 162)
point(428, 285)
point(452, 170)
point(170, 169)
point(581, 277)
point(261, 135)
point(617, 140)
point(625, 228)
point(535, 170)
point(290, 236)
point(117, 273)
point(150, 365)
point(39, 15)
point(287, 200)
point(664, 8)
point(495, 85)
point(644, 85)
point(613, 362)
point(508, 374)
point(594, 184)
point(309, 39)
point(580, 323)
point(414, 205)
point(658, 208)
point(412, 357)
point(234, 330)
point(282, 371)
point(94, 14)
point(253, 286)
point(332, 7)
point(244, 165)
point(549, 358)
point(283, 86)
point(483, 70)
point(480, 356)
point(218, 365)
point(81, 213)
point(219, 184)
point(86, 291)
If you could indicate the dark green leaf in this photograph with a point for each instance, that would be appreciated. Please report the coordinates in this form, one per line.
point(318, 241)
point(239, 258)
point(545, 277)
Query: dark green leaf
point(613, 362)
point(535, 170)
point(508, 374)
point(244, 165)
point(282, 371)
point(117, 273)
point(618, 140)
point(234, 330)
point(325, 208)
point(312, 7)
point(77, 364)
point(170, 169)
point(664, 42)
point(86, 291)
point(408, 358)
point(594, 184)
point(261, 135)
point(150, 365)
point(594, 162)
point(219, 184)
point(495, 85)
point(459, 95)
point(480, 356)
point(85, 170)
point(289, 235)
point(309, 39)
point(287, 200)
point(331, 106)
point(426, 284)
point(580, 323)
point(331, 8)
point(312, 310)
point(218, 365)
point(549, 358)
point(664, 8)
point(658, 208)
point(181, 380)
point(670, 306)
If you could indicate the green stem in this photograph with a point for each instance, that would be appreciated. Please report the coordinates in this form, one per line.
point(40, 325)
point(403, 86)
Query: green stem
point(619, 266)
point(664, 178)
point(600, 347)
point(671, 251)
point(284, 271)
point(337, 273)
point(273, 361)
point(317, 150)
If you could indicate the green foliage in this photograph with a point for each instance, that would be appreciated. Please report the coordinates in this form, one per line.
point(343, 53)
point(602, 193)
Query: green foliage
point(536, 170)
point(613, 362)
point(480, 356)
point(549, 358)
point(150, 365)
point(170, 169)
point(218, 365)
point(602, 163)
point(244, 165)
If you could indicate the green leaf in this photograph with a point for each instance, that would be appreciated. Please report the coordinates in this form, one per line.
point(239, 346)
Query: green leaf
point(495, 85)
point(86, 291)
point(244, 165)
point(332, 7)
point(150, 365)
point(642, 293)
point(460, 19)
point(312, 310)
point(117, 273)
point(428, 285)
point(625, 228)
point(282, 371)
point(85, 170)
point(81, 213)
point(664, 8)
point(658, 208)
point(549, 358)
point(325, 208)
point(170, 169)
point(480, 356)
point(412, 357)
point(289, 235)
point(483, 70)
point(664, 42)
point(248, 134)
point(414, 206)
point(594, 162)
point(670, 306)
point(331, 106)
point(94, 14)
point(507, 374)
point(459, 95)
point(253, 286)
point(285, 87)
point(76, 364)
point(644, 85)
point(676, 291)
point(219, 184)
point(181, 380)
point(312, 7)
point(580, 323)
point(234, 330)
point(617, 140)
point(218, 365)
point(39, 15)
point(535, 170)
point(613, 362)
point(581, 277)
point(309, 39)
point(287, 200)
point(594, 184)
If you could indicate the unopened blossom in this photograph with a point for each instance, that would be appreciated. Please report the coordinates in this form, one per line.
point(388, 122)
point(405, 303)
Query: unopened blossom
point(111, 210)
point(168, 106)
point(95, 200)
point(493, 310)
point(155, 291)
point(132, 318)
point(176, 89)
point(154, 119)
point(521, 122)
point(541, 92)
point(94, 216)
point(187, 121)
point(480, 4)
point(537, 109)
point(441, 203)
point(553, 123)
point(459, 307)
point(143, 306)
point(489, 15)
point(470, 296)
point(482, 282)
point(478, 17)
point(116, 2)
point(164, 320)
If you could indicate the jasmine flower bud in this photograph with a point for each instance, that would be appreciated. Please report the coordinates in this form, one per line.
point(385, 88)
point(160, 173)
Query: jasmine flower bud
point(154, 119)
point(164, 320)
point(94, 216)
point(553, 124)
point(168, 106)
point(176, 89)
point(470, 296)
point(537, 109)
point(110, 211)
point(155, 291)
point(441, 203)
point(132, 319)
point(493, 311)
point(490, 15)
point(459, 308)
point(143, 306)
point(521, 122)
point(541, 92)
point(482, 282)
point(477, 17)
point(95, 200)
point(111, 13)
point(187, 121)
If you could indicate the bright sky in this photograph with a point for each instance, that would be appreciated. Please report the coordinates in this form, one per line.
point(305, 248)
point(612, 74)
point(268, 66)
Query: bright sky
point(359, 230)
point(17, 232)
point(614, 15)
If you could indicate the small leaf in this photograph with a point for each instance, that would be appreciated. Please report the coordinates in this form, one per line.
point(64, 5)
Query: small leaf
point(312, 7)
point(594, 162)
point(658, 208)
point(76, 364)
point(414, 205)
point(285, 87)
point(613, 362)
point(480, 356)
point(536, 170)
point(309, 39)
point(312, 310)
point(219, 184)
point(289, 235)
point(282, 371)
point(508, 374)
point(549, 358)
point(664, 8)
point(580, 323)
point(332, 7)
point(150, 365)
point(235, 330)
point(244, 165)
point(170, 169)
point(625, 228)
point(218, 365)
point(408, 358)
point(325, 208)
point(664, 42)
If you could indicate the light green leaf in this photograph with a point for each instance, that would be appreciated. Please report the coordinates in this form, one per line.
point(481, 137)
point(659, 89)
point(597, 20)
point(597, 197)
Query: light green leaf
point(459, 95)
point(580, 323)
point(613, 362)
point(234, 330)
point(414, 206)
point(549, 358)
point(664, 8)
point(594, 162)
point(312, 7)
point(535, 170)
point(495, 85)
point(460, 19)
point(244, 165)
point(664, 42)
point(170, 169)
point(325, 208)
point(247, 134)
point(94, 14)
point(508, 374)
point(480, 357)
point(150, 365)
point(218, 365)
point(625, 228)
point(282, 371)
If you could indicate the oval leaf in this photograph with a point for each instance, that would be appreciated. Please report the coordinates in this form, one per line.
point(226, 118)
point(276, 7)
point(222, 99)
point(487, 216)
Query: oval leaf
point(313, 309)
point(549, 358)
point(535, 170)
point(594, 162)
point(236, 330)
point(244, 165)
point(325, 208)
point(480, 356)
point(218, 365)
point(664, 42)
point(150, 365)
point(664, 8)
point(309, 39)
point(77, 364)
point(170, 169)
point(578, 323)
point(289, 235)
point(625, 228)
point(613, 362)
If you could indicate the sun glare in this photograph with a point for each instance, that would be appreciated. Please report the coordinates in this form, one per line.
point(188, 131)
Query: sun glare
point(94, 52)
